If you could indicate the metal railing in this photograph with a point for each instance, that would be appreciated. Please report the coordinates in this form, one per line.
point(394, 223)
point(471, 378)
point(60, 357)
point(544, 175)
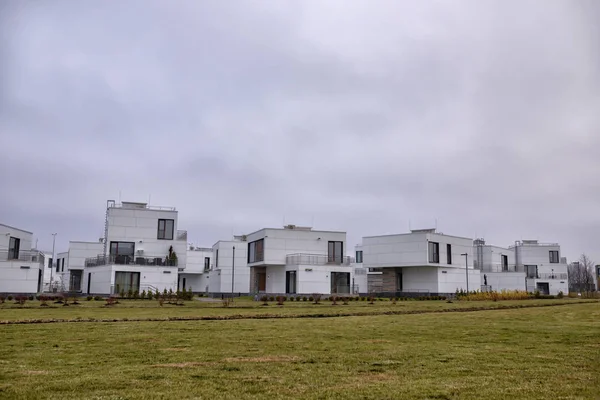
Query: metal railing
point(498, 268)
point(181, 235)
point(317, 259)
point(550, 275)
point(141, 206)
point(23, 255)
point(128, 260)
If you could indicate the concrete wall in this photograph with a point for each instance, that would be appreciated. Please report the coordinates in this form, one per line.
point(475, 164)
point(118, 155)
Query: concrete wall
point(6, 232)
point(504, 280)
point(492, 258)
point(361, 278)
point(195, 260)
point(225, 267)
point(452, 279)
point(79, 251)
point(420, 279)
point(103, 277)
point(19, 277)
point(281, 242)
point(408, 250)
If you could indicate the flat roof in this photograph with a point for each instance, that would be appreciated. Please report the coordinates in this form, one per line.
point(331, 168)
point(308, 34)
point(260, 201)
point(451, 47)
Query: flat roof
point(17, 229)
point(417, 233)
point(300, 229)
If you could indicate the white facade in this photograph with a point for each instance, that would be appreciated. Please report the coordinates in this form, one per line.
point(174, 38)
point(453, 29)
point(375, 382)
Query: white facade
point(224, 268)
point(21, 268)
point(142, 250)
point(196, 271)
point(299, 260)
point(422, 261)
point(545, 270)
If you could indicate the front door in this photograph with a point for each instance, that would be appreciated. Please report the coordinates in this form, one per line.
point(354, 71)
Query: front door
point(262, 281)
point(543, 287)
point(398, 280)
point(89, 281)
point(75, 281)
point(340, 282)
point(290, 282)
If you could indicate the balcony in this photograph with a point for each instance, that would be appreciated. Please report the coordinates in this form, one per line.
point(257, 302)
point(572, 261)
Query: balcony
point(23, 255)
point(551, 275)
point(317, 259)
point(128, 260)
point(497, 268)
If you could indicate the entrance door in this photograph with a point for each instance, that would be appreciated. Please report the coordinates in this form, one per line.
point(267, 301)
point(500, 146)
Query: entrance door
point(398, 280)
point(126, 281)
point(89, 281)
point(75, 281)
point(340, 282)
point(290, 282)
point(183, 284)
point(262, 281)
point(40, 280)
point(543, 287)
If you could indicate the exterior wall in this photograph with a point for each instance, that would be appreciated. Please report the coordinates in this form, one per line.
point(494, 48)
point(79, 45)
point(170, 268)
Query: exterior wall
point(420, 279)
point(103, 277)
point(278, 243)
point(492, 258)
point(23, 275)
point(79, 251)
point(361, 281)
point(276, 279)
point(195, 260)
point(539, 254)
point(193, 281)
point(61, 271)
point(504, 280)
point(409, 250)
point(450, 280)
point(225, 267)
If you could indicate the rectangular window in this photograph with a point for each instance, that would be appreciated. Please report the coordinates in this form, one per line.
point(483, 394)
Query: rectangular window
point(359, 257)
point(126, 281)
point(165, 229)
point(122, 252)
point(335, 252)
point(531, 271)
point(206, 263)
point(13, 248)
point(217, 259)
point(58, 265)
point(449, 254)
point(290, 282)
point(256, 251)
point(554, 256)
point(50, 264)
point(434, 252)
point(504, 263)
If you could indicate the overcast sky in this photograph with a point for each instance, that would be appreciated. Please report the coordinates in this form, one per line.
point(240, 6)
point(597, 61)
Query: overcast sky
point(344, 115)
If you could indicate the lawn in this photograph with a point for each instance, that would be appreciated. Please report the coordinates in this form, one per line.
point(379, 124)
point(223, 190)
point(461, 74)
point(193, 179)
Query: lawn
point(533, 353)
point(145, 309)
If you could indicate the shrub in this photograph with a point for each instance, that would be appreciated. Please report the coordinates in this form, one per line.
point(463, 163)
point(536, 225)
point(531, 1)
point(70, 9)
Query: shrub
point(333, 300)
point(304, 298)
point(143, 295)
point(43, 301)
point(560, 295)
point(317, 297)
point(271, 298)
point(2, 299)
point(345, 301)
point(311, 298)
point(122, 294)
point(280, 300)
point(371, 300)
point(97, 298)
point(130, 293)
point(30, 298)
point(149, 295)
point(394, 300)
point(110, 301)
point(89, 298)
point(9, 297)
point(264, 299)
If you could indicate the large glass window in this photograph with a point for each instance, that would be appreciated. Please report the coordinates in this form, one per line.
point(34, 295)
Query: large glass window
point(256, 251)
point(165, 229)
point(554, 257)
point(434, 252)
point(335, 252)
point(14, 246)
point(504, 263)
point(122, 252)
point(531, 271)
point(125, 281)
point(290, 282)
point(449, 253)
point(206, 263)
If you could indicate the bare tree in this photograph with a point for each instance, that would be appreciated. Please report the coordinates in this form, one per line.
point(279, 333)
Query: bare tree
point(581, 274)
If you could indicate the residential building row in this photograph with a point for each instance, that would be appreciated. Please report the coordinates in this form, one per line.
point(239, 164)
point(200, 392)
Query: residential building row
point(144, 249)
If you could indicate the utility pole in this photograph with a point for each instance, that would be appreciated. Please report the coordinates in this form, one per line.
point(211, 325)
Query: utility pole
point(53, 261)
point(466, 269)
point(232, 272)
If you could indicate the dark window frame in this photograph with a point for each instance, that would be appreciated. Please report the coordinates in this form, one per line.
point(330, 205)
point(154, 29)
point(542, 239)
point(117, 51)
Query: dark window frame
point(14, 248)
point(504, 262)
point(449, 254)
point(256, 251)
point(163, 234)
point(359, 256)
point(554, 260)
point(217, 259)
point(433, 249)
point(332, 256)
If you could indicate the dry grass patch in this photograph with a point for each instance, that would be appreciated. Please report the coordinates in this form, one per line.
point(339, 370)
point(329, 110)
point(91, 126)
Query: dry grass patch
point(183, 365)
point(33, 372)
point(264, 359)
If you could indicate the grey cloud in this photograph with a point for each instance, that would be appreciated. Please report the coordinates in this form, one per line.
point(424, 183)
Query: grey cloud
point(361, 117)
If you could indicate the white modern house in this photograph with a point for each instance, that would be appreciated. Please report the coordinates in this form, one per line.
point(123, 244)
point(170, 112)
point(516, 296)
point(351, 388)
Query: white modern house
point(544, 269)
point(196, 269)
point(360, 280)
point(422, 261)
point(298, 260)
point(142, 249)
point(21, 268)
point(70, 265)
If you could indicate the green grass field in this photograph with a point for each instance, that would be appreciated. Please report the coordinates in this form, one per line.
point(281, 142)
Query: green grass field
point(532, 353)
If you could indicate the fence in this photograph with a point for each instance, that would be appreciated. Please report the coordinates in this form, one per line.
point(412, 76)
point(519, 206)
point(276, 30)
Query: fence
point(317, 259)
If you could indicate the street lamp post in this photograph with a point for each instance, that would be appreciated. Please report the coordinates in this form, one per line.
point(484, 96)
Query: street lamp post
point(233, 273)
point(466, 268)
point(53, 261)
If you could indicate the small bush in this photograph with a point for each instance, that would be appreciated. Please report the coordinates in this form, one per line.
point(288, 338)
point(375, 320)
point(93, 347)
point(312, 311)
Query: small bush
point(264, 299)
point(560, 295)
point(9, 297)
point(311, 298)
point(271, 298)
point(333, 300)
point(97, 298)
point(122, 294)
point(304, 298)
point(345, 301)
point(280, 300)
point(89, 298)
point(2, 299)
point(149, 295)
point(317, 297)
point(143, 294)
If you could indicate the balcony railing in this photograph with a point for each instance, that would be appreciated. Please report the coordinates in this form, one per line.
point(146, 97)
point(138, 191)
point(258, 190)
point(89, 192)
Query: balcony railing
point(317, 259)
point(550, 275)
point(128, 260)
point(23, 255)
point(498, 268)
point(181, 235)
